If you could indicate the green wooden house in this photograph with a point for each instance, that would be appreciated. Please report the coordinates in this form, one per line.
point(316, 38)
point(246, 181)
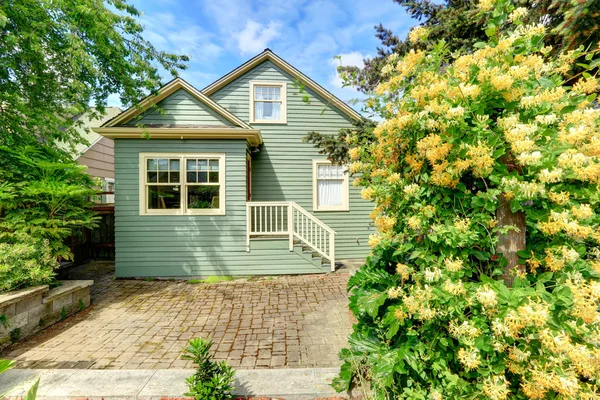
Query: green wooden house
point(225, 184)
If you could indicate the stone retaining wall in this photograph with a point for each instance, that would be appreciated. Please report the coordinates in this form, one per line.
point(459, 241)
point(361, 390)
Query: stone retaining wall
point(30, 310)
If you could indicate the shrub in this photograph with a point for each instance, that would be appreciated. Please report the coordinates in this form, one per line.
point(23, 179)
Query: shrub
point(498, 132)
point(212, 380)
point(44, 194)
point(25, 261)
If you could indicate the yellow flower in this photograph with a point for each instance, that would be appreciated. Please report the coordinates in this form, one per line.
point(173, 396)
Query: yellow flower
point(470, 359)
point(559, 198)
point(354, 153)
point(496, 387)
point(532, 158)
point(486, 296)
point(453, 264)
point(485, 5)
point(418, 34)
point(547, 176)
point(393, 178)
point(462, 224)
point(374, 240)
point(394, 293)
point(411, 189)
point(586, 85)
point(356, 166)
point(367, 193)
point(414, 222)
point(432, 274)
point(404, 271)
point(518, 14)
point(400, 315)
point(584, 211)
point(501, 81)
point(455, 289)
point(385, 223)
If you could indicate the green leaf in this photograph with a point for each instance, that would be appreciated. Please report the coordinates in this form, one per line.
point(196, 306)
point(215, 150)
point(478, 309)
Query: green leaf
point(5, 365)
point(364, 342)
point(545, 277)
point(32, 392)
point(369, 302)
point(484, 343)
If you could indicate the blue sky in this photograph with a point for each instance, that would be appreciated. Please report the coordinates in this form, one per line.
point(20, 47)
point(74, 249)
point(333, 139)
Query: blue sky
point(219, 35)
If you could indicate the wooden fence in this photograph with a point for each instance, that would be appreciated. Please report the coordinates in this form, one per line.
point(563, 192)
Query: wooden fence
point(97, 243)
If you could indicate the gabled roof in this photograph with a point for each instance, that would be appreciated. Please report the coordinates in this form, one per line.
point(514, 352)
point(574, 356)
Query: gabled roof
point(164, 92)
point(267, 54)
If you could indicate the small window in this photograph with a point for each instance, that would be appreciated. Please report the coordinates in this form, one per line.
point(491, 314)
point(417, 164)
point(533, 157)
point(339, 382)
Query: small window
point(330, 187)
point(268, 102)
point(109, 191)
point(182, 184)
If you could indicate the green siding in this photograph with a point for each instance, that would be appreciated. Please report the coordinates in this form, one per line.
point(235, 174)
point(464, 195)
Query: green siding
point(282, 169)
point(181, 108)
point(190, 245)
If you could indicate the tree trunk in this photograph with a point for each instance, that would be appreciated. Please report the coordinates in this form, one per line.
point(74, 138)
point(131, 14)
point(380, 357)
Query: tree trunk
point(513, 241)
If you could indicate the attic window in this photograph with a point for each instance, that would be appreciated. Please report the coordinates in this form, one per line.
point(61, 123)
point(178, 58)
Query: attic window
point(268, 102)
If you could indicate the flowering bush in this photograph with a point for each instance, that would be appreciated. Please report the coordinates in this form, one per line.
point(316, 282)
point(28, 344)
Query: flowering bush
point(458, 139)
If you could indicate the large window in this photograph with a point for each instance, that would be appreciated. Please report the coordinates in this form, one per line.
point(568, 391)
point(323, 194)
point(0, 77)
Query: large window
point(174, 184)
point(268, 102)
point(330, 187)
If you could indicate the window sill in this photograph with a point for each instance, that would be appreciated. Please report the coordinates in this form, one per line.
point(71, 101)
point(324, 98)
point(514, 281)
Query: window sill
point(331, 209)
point(270, 122)
point(180, 214)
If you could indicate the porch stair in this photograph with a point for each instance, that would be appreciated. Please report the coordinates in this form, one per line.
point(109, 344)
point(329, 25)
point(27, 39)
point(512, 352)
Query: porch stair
point(302, 254)
point(286, 225)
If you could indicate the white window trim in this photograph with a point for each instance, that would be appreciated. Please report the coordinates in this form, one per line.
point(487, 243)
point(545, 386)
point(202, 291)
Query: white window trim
point(345, 190)
point(283, 110)
point(183, 210)
point(106, 197)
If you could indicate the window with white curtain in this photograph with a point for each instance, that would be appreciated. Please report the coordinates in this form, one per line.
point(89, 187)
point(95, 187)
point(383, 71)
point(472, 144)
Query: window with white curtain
point(268, 102)
point(330, 187)
point(175, 184)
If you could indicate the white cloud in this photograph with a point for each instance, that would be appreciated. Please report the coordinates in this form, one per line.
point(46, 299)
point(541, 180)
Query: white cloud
point(182, 37)
point(256, 37)
point(352, 59)
point(335, 84)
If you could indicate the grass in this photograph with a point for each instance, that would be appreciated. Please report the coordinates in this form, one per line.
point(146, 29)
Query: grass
point(211, 279)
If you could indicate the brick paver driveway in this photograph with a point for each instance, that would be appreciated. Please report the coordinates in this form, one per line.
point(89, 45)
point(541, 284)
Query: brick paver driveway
point(287, 321)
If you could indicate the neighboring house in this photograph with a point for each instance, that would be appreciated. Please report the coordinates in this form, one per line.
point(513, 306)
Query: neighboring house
point(98, 154)
point(225, 185)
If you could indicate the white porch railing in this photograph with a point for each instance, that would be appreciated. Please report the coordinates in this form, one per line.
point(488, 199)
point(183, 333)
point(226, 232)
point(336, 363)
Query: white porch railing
point(289, 219)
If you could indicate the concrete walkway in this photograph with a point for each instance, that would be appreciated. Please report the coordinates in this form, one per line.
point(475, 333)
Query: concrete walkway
point(65, 384)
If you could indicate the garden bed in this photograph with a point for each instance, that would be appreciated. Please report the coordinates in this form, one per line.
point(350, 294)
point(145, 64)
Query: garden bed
point(27, 311)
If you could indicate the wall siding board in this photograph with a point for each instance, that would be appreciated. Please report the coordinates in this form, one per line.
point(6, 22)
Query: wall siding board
point(183, 245)
point(282, 169)
point(181, 108)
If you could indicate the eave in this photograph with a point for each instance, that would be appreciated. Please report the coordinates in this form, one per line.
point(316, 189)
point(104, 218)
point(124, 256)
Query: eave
point(253, 136)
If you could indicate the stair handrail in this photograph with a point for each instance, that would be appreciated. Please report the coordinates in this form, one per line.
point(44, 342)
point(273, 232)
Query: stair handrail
point(332, 233)
point(312, 217)
point(291, 228)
